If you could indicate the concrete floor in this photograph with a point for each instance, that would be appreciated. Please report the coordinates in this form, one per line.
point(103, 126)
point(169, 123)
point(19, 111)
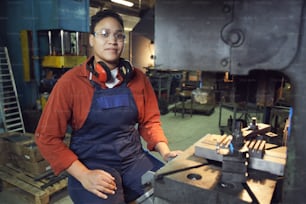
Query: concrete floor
point(181, 132)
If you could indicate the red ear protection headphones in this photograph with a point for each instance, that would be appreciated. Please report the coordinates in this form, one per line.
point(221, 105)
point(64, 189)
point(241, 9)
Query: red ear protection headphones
point(103, 72)
point(126, 70)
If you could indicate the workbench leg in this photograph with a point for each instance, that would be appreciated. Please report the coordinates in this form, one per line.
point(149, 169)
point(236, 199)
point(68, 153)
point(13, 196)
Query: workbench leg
point(183, 108)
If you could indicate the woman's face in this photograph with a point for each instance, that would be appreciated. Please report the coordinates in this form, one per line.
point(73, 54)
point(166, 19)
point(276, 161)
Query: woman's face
point(108, 41)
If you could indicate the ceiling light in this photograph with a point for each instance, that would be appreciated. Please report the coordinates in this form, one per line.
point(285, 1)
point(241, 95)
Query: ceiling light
point(123, 2)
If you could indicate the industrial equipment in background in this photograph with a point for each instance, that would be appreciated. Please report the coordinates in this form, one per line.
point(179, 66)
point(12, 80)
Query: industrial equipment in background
point(164, 83)
point(22, 166)
point(61, 50)
point(241, 38)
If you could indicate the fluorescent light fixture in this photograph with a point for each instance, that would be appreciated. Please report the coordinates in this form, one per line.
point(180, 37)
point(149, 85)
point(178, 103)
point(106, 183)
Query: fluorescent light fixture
point(123, 2)
point(128, 29)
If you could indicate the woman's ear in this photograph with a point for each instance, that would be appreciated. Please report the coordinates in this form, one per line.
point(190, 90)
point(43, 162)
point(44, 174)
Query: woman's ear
point(91, 39)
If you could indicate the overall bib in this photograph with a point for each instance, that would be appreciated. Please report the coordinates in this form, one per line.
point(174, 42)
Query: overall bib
point(109, 141)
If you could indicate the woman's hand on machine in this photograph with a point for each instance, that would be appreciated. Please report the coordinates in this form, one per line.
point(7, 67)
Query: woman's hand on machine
point(171, 155)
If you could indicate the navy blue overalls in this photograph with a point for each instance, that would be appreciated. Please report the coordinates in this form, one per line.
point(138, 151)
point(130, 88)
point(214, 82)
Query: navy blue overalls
point(109, 141)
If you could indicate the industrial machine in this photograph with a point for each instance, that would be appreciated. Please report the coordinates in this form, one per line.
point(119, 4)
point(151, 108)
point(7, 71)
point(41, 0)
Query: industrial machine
point(60, 51)
point(239, 168)
point(237, 37)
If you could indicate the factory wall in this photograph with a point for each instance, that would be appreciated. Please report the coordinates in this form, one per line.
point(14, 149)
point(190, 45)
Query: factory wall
point(142, 51)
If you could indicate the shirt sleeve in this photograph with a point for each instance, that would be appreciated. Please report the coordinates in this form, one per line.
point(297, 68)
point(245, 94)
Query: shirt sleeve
point(150, 126)
point(52, 128)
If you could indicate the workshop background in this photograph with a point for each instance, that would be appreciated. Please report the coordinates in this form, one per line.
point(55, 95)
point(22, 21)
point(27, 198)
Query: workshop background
point(211, 63)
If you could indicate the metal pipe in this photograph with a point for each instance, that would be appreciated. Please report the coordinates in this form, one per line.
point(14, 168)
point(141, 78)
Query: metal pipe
point(77, 43)
point(62, 42)
point(50, 42)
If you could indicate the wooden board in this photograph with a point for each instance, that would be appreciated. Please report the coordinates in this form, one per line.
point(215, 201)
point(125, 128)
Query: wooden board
point(11, 176)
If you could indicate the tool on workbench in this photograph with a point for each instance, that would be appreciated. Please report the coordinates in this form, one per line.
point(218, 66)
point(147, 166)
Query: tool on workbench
point(234, 164)
point(161, 176)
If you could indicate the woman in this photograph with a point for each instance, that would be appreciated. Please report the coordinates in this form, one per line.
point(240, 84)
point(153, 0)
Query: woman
point(109, 105)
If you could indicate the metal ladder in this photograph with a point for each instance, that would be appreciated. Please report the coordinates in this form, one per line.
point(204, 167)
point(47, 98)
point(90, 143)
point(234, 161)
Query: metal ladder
point(10, 107)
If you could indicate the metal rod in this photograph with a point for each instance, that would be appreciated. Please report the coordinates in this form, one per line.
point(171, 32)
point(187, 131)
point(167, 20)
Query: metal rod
point(77, 43)
point(50, 42)
point(62, 42)
point(250, 192)
point(162, 175)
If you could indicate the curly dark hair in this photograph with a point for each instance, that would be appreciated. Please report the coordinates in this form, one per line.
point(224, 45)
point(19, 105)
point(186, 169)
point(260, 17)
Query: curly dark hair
point(103, 14)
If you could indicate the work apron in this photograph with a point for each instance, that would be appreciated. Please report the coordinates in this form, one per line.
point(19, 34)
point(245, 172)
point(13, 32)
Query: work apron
point(110, 141)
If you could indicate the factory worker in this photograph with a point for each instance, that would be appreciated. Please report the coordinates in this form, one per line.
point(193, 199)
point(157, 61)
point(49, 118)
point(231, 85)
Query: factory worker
point(109, 106)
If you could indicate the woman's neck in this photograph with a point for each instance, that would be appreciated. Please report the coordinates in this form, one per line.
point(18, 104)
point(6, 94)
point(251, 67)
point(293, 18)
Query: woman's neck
point(110, 65)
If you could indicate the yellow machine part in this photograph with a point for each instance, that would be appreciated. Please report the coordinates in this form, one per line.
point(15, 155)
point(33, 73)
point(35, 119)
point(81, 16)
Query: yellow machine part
point(62, 61)
point(25, 50)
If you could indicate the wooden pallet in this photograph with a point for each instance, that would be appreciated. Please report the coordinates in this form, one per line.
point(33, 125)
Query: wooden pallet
point(11, 176)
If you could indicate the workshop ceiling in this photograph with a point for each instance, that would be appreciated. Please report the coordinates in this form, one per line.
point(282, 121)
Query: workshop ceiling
point(131, 15)
point(138, 10)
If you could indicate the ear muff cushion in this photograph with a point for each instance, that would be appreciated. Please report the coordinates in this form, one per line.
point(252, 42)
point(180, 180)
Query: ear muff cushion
point(104, 73)
point(126, 70)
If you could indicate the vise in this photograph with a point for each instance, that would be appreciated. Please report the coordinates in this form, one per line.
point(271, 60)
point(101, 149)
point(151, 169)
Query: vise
point(233, 168)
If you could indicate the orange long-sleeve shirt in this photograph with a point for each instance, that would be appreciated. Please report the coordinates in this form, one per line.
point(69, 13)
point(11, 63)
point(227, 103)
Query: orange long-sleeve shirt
point(69, 104)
